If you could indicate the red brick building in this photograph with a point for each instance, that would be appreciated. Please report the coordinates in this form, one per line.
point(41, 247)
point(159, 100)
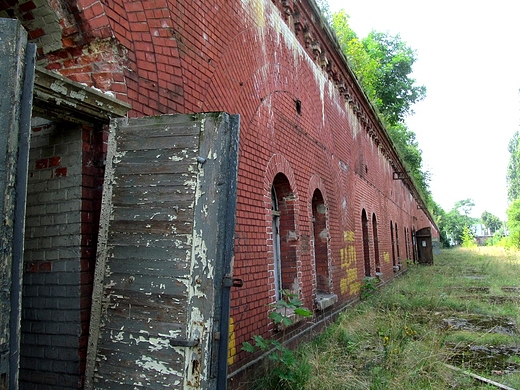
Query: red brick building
point(323, 199)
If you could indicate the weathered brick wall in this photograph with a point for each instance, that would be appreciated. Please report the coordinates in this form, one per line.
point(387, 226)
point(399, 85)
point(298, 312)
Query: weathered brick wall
point(64, 192)
point(302, 115)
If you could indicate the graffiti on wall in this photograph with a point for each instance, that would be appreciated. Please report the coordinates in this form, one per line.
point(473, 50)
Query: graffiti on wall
point(349, 283)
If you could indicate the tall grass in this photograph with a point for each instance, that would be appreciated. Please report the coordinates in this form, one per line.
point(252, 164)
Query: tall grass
point(400, 336)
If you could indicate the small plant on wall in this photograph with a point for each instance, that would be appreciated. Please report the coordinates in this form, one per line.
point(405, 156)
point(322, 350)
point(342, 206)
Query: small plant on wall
point(287, 370)
point(369, 287)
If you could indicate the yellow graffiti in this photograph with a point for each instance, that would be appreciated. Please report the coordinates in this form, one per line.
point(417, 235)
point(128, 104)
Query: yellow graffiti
point(351, 275)
point(232, 349)
point(355, 288)
point(348, 253)
point(348, 236)
point(348, 258)
point(343, 285)
point(386, 257)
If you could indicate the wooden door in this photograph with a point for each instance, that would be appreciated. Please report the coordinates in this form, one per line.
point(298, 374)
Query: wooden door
point(165, 249)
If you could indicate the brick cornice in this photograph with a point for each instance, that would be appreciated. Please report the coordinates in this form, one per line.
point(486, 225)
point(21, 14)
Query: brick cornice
point(304, 18)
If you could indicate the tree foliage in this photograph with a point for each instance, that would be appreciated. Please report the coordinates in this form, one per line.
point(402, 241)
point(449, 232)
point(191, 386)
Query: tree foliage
point(396, 90)
point(457, 221)
point(491, 221)
point(468, 241)
point(324, 8)
point(465, 205)
point(513, 169)
point(383, 63)
point(513, 222)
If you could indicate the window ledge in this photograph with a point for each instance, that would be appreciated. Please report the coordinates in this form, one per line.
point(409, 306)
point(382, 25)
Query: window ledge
point(325, 300)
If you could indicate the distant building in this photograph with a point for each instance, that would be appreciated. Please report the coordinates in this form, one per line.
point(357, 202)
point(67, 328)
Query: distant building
point(481, 233)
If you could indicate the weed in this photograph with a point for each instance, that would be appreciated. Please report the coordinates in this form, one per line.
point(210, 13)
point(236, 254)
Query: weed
point(399, 337)
point(368, 287)
point(287, 372)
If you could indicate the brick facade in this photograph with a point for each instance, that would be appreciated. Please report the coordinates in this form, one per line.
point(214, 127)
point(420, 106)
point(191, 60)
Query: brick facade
point(306, 130)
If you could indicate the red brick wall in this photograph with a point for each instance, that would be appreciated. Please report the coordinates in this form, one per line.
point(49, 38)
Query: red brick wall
point(301, 115)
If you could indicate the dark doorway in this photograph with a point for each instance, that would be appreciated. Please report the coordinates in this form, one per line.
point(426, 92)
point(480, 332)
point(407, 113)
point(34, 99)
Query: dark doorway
point(424, 246)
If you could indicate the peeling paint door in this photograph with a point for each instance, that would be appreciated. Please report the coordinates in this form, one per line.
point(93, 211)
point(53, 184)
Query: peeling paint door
point(160, 311)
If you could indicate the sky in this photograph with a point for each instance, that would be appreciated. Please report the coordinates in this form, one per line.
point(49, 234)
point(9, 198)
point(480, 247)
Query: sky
point(468, 57)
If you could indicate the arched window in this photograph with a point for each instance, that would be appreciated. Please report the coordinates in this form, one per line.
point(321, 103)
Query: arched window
point(276, 243)
point(284, 235)
point(414, 245)
point(397, 243)
point(366, 246)
point(394, 260)
point(376, 243)
point(319, 227)
point(406, 243)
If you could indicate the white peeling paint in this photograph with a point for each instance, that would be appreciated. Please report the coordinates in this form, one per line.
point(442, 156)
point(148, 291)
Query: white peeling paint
point(267, 15)
point(59, 86)
point(79, 95)
point(155, 343)
point(147, 363)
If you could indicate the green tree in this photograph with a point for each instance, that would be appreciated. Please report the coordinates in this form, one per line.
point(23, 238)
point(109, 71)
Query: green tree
point(454, 225)
point(408, 148)
point(513, 222)
point(468, 241)
point(362, 64)
point(440, 219)
point(383, 63)
point(491, 221)
point(513, 169)
point(395, 88)
point(465, 205)
point(458, 219)
point(325, 9)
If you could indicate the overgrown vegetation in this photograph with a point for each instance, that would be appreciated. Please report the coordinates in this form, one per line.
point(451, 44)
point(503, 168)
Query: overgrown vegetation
point(463, 311)
point(286, 370)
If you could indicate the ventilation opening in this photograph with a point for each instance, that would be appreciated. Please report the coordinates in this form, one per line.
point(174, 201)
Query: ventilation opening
point(298, 106)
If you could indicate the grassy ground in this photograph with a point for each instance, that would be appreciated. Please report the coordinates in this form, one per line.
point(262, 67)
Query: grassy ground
point(464, 311)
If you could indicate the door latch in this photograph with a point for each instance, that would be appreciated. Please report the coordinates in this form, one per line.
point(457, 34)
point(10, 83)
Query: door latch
point(229, 281)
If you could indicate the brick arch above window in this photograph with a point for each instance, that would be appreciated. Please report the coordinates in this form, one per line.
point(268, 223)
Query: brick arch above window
point(278, 164)
point(315, 183)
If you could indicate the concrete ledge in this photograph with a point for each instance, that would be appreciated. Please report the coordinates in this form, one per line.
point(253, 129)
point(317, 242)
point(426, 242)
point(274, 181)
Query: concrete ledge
point(325, 300)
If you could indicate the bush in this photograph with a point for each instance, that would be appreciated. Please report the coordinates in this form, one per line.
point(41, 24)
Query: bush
point(468, 241)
